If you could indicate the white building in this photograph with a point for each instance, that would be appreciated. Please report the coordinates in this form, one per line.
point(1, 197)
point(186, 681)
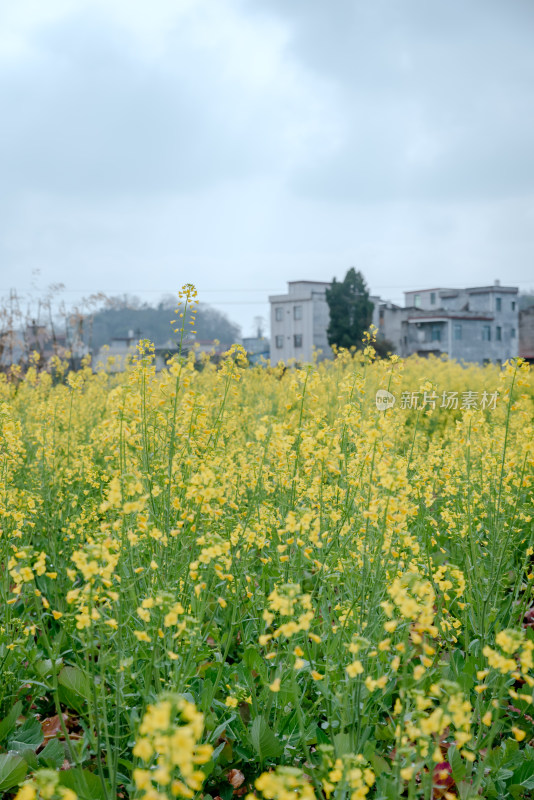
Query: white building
point(299, 322)
point(116, 356)
point(478, 324)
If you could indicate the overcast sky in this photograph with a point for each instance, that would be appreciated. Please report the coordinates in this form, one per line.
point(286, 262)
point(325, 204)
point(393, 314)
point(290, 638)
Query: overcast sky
point(239, 144)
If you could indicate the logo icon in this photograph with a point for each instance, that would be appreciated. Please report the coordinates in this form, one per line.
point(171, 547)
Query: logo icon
point(384, 399)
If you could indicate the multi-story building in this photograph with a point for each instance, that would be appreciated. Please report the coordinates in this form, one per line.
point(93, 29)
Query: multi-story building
point(300, 319)
point(388, 318)
point(299, 322)
point(526, 334)
point(477, 324)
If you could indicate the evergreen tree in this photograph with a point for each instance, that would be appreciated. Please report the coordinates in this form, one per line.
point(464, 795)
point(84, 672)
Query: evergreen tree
point(351, 311)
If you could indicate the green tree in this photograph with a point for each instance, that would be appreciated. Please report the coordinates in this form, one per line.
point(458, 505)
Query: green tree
point(351, 310)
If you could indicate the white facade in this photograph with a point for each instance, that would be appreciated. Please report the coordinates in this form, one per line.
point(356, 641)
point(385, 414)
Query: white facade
point(299, 321)
point(478, 324)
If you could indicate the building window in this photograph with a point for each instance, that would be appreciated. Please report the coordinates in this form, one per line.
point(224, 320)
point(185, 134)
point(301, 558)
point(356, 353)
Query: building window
point(498, 333)
point(279, 313)
point(436, 332)
point(486, 333)
point(457, 331)
point(498, 304)
point(297, 312)
point(417, 301)
point(432, 298)
point(297, 340)
point(512, 333)
point(279, 342)
point(513, 305)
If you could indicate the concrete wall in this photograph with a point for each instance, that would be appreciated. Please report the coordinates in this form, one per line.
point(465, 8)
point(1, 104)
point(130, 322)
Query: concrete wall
point(473, 347)
point(310, 297)
point(451, 307)
point(473, 301)
point(472, 344)
point(425, 299)
point(390, 319)
point(526, 333)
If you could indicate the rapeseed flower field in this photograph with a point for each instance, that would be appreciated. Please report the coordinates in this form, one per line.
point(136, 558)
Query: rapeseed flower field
point(254, 582)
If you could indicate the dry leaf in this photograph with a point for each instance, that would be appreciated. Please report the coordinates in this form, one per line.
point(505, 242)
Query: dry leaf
point(52, 726)
point(236, 778)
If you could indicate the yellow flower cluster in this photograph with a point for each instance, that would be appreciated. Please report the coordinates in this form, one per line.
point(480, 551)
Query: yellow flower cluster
point(450, 580)
point(413, 598)
point(516, 654)
point(169, 744)
point(288, 601)
point(350, 770)
point(95, 595)
point(216, 552)
point(427, 716)
point(157, 527)
point(284, 783)
point(25, 565)
point(45, 786)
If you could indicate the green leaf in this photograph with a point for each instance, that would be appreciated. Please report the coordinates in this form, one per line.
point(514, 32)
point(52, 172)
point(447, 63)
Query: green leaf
point(495, 758)
point(320, 736)
point(388, 788)
point(524, 774)
point(87, 785)
point(73, 679)
point(510, 748)
point(342, 744)
point(263, 740)
point(384, 732)
point(503, 774)
point(457, 764)
point(30, 758)
point(216, 753)
point(74, 686)
point(253, 660)
point(9, 721)
point(44, 667)
point(28, 737)
point(379, 764)
point(227, 792)
point(53, 754)
point(12, 770)
point(221, 728)
point(516, 790)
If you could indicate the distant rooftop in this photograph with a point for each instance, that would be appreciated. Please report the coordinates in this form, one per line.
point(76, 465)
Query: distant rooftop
point(320, 283)
point(495, 286)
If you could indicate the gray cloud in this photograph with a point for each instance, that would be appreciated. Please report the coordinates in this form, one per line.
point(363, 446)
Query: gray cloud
point(89, 113)
point(438, 97)
point(240, 144)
